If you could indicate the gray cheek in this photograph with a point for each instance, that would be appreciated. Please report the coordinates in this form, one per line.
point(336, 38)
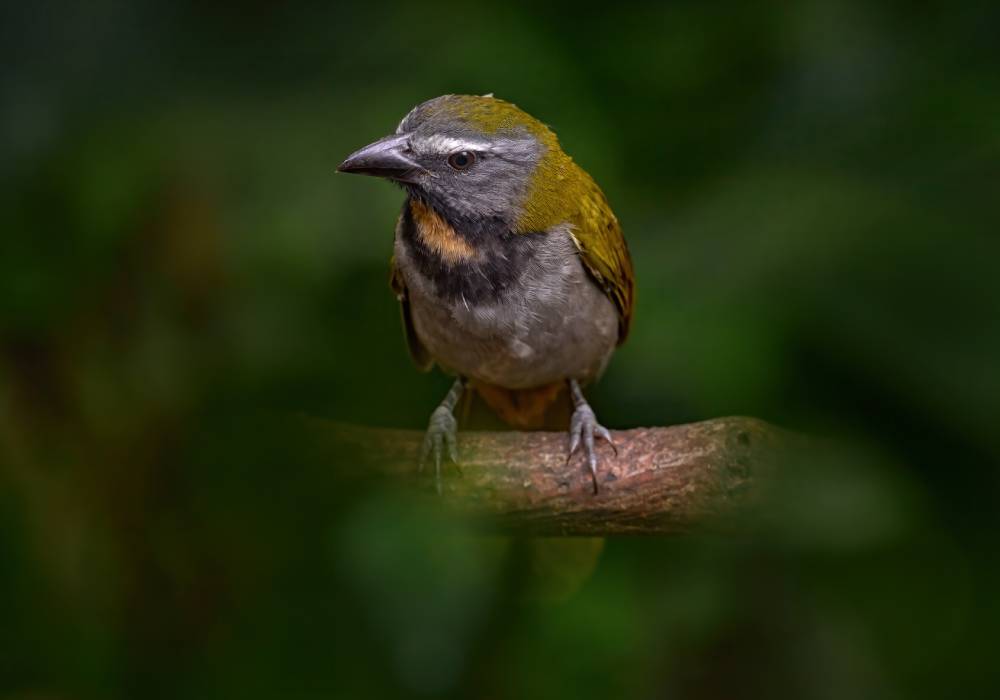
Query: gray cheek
point(497, 188)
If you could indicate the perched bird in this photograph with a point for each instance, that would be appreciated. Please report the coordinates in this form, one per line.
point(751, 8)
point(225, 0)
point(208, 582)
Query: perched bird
point(509, 265)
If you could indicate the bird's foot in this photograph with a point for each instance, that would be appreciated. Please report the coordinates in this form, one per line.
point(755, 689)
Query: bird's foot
point(583, 427)
point(441, 434)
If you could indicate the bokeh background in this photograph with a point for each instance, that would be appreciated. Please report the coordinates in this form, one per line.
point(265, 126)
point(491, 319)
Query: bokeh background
point(810, 194)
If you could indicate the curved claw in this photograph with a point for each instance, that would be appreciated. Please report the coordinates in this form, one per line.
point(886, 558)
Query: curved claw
point(605, 435)
point(574, 444)
point(440, 435)
point(583, 429)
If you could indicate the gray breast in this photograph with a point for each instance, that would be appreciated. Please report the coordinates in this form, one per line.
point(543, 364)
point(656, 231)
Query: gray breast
point(551, 323)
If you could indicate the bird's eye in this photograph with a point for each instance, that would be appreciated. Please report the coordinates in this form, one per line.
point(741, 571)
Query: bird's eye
point(462, 160)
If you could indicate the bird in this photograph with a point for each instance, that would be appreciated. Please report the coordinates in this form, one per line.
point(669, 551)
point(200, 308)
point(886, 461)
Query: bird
point(510, 268)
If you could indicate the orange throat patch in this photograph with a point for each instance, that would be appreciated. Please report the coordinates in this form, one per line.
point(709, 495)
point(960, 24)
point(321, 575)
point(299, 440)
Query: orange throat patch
point(435, 233)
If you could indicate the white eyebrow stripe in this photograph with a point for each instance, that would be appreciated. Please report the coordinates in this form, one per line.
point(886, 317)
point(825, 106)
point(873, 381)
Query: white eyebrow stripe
point(439, 143)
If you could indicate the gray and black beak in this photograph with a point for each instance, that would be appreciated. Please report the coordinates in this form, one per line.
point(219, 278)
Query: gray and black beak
point(388, 157)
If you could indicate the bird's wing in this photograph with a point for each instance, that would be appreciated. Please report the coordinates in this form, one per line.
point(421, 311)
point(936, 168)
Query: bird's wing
point(421, 358)
point(598, 237)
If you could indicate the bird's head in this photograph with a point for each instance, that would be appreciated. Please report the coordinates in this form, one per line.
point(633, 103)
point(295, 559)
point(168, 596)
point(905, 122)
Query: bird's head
point(478, 160)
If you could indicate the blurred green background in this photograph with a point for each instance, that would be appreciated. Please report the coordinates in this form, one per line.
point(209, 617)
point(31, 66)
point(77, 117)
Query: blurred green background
point(810, 194)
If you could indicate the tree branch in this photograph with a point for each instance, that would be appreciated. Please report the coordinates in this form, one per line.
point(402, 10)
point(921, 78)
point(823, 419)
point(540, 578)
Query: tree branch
point(664, 480)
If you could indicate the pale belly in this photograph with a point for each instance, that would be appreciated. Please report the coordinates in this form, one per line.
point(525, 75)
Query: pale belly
point(552, 325)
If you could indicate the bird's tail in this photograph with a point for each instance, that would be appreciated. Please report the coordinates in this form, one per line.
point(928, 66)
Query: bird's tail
point(557, 567)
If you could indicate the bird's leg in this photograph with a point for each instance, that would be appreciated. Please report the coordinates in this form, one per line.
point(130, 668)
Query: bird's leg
point(441, 431)
point(583, 427)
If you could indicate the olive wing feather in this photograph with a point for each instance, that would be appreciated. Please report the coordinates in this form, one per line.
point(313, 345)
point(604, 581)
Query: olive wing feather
point(604, 253)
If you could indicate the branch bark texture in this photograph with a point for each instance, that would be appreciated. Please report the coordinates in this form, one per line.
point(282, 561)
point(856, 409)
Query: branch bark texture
point(664, 480)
